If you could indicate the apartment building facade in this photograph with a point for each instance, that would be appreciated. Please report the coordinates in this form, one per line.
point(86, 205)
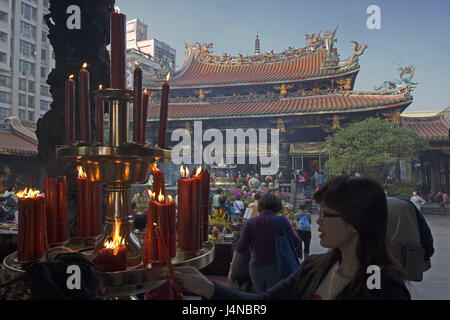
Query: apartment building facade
point(26, 59)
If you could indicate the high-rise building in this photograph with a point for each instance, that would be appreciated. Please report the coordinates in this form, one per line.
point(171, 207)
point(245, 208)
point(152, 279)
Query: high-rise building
point(137, 39)
point(26, 59)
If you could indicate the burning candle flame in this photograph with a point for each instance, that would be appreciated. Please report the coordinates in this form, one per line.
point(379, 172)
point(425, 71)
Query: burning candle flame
point(28, 193)
point(169, 197)
point(198, 171)
point(168, 76)
point(71, 76)
point(100, 87)
point(85, 65)
point(117, 241)
point(161, 196)
point(81, 172)
point(145, 91)
point(136, 64)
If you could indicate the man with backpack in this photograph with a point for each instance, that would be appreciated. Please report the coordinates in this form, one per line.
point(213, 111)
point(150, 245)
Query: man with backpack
point(304, 231)
point(409, 236)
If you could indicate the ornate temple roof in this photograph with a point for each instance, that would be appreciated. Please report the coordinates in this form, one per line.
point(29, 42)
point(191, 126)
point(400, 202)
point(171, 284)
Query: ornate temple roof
point(433, 128)
point(318, 59)
point(310, 80)
point(332, 103)
point(18, 138)
point(199, 73)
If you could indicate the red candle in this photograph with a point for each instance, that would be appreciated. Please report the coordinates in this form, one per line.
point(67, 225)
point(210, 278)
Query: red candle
point(151, 240)
point(169, 263)
point(62, 209)
point(158, 180)
point(205, 203)
point(118, 50)
point(51, 209)
point(164, 113)
point(184, 209)
point(99, 116)
point(95, 201)
point(195, 232)
point(111, 260)
point(137, 103)
point(144, 117)
point(82, 198)
point(85, 109)
point(32, 226)
point(113, 256)
point(69, 110)
point(166, 222)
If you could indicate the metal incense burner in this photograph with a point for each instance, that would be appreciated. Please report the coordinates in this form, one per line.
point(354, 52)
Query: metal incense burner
point(118, 165)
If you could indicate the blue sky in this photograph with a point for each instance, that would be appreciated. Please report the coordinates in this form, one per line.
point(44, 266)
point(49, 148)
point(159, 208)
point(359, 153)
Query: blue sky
point(412, 32)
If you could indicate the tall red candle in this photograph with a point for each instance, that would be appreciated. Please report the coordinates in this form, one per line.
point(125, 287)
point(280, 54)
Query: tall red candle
point(137, 103)
point(84, 101)
point(144, 117)
point(151, 241)
point(99, 118)
point(69, 132)
point(166, 222)
point(51, 209)
point(194, 221)
point(82, 193)
point(184, 209)
point(163, 114)
point(205, 204)
point(118, 50)
point(62, 209)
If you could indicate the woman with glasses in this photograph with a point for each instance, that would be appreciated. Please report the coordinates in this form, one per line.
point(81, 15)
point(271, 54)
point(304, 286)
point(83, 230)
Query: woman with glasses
point(359, 265)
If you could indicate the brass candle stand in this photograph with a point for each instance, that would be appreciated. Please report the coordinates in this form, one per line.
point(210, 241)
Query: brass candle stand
point(120, 164)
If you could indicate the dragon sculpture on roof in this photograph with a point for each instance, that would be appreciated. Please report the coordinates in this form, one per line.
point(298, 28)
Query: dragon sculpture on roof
point(404, 85)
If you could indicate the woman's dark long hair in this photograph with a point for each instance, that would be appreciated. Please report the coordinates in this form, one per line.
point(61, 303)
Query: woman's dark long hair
point(361, 202)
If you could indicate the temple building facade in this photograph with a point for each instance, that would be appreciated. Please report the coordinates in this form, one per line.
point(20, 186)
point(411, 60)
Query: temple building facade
point(431, 172)
point(306, 93)
point(19, 165)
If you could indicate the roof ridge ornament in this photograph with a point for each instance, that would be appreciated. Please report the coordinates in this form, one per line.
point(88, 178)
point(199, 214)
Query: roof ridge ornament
point(402, 86)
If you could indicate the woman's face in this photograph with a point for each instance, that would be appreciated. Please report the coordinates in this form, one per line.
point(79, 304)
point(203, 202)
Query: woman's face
point(334, 231)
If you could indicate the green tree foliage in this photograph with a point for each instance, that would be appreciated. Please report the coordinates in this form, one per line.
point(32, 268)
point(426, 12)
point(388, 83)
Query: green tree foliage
point(372, 147)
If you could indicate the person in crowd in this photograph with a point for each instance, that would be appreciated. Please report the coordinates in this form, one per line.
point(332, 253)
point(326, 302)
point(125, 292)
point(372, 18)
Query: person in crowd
point(352, 224)
point(8, 206)
point(223, 205)
point(308, 198)
point(417, 200)
point(259, 234)
point(238, 206)
point(320, 179)
point(307, 178)
point(303, 231)
point(441, 198)
point(254, 205)
point(301, 182)
point(215, 200)
point(315, 179)
point(254, 182)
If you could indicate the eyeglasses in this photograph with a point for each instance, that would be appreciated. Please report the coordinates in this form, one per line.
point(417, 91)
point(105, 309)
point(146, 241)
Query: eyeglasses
point(325, 214)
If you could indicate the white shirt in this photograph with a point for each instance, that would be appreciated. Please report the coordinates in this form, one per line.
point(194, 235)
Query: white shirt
point(332, 285)
point(418, 201)
point(238, 206)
